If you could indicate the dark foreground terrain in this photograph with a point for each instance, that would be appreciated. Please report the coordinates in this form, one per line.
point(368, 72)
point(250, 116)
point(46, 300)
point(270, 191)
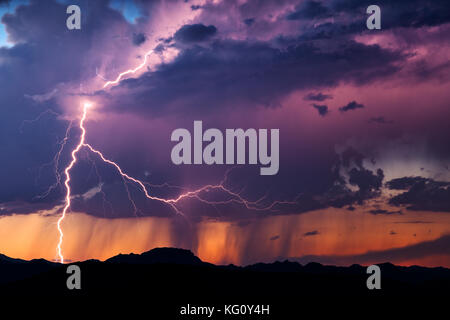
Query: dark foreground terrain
point(169, 279)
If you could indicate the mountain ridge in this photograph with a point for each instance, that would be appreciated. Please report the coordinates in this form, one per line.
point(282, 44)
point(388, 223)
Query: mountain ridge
point(164, 269)
point(186, 256)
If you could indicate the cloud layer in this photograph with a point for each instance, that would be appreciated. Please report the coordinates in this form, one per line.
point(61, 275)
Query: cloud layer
point(308, 68)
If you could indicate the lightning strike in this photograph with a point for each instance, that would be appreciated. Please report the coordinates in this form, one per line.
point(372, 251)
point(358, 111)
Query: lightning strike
point(129, 71)
point(235, 197)
point(66, 182)
point(100, 186)
point(48, 111)
point(55, 162)
point(79, 146)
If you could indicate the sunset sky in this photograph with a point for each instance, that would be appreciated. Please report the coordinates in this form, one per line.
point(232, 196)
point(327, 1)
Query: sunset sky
point(363, 117)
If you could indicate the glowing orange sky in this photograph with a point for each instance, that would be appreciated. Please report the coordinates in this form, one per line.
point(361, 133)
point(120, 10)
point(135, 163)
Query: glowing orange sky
point(340, 233)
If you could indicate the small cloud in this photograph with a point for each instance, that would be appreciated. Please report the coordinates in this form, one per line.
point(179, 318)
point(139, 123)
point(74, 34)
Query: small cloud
point(195, 33)
point(392, 233)
point(249, 21)
point(311, 233)
point(351, 106)
point(195, 7)
point(139, 38)
point(405, 183)
point(381, 211)
point(159, 48)
point(415, 222)
point(422, 193)
point(322, 109)
point(275, 237)
point(317, 96)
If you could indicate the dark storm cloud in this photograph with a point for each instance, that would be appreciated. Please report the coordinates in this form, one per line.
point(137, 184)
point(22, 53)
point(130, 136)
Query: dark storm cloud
point(369, 183)
point(405, 182)
point(229, 72)
point(351, 156)
point(350, 15)
point(422, 194)
point(322, 109)
point(311, 233)
point(349, 18)
point(209, 73)
point(191, 33)
point(22, 207)
point(317, 97)
point(139, 38)
point(351, 106)
point(45, 56)
point(365, 179)
point(402, 13)
point(4, 2)
point(309, 10)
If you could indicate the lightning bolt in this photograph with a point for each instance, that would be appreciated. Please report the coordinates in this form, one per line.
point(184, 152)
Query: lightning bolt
point(79, 146)
point(129, 71)
point(234, 197)
point(66, 182)
point(55, 162)
point(48, 111)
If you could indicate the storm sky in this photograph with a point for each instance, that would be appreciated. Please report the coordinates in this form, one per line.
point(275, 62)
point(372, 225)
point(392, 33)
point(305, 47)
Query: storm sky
point(363, 119)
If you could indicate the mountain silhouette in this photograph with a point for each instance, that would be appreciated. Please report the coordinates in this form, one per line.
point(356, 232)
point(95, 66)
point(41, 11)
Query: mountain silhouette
point(158, 255)
point(171, 276)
